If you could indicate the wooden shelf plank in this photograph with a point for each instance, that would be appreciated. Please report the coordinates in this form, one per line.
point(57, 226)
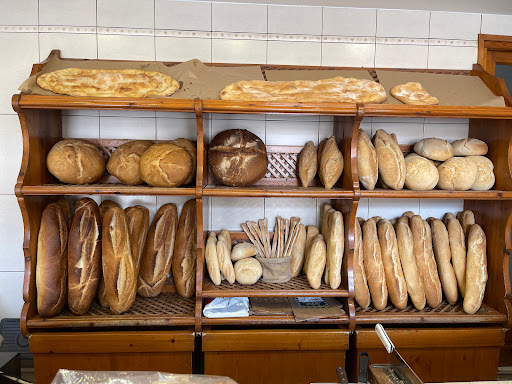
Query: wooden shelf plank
point(436, 194)
point(104, 189)
point(270, 320)
point(276, 191)
point(296, 287)
point(397, 110)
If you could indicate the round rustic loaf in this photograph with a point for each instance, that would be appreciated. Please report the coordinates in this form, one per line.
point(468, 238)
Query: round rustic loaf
point(420, 173)
point(469, 147)
point(248, 271)
point(237, 158)
point(124, 162)
point(166, 165)
point(457, 174)
point(190, 146)
point(434, 149)
point(485, 178)
point(75, 162)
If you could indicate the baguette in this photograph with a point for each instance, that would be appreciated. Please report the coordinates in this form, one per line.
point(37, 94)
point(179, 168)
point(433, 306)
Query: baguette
point(406, 251)
point(395, 281)
point(155, 263)
point(225, 264)
point(243, 250)
point(105, 206)
point(212, 262)
point(51, 266)
point(367, 163)
point(117, 262)
point(298, 251)
point(311, 232)
point(138, 226)
point(408, 214)
point(67, 210)
point(325, 220)
point(316, 261)
point(330, 166)
point(308, 164)
point(373, 266)
point(362, 293)
point(84, 256)
point(458, 251)
point(449, 216)
point(476, 269)
point(326, 236)
point(185, 251)
point(390, 159)
point(335, 247)
point(466, 219)
point(443, 256)
point(226, 234)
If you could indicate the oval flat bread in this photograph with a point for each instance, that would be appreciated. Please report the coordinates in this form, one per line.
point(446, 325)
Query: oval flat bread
point(413, 93)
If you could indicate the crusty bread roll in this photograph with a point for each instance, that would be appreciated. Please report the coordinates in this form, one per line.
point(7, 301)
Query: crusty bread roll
point(485, 177)
point(410, 269)
point(466, 220)
point(401, 219)
point(311, 232)
point(469, 147)
point(242, 251)
point(223, 254)
point(248, 271)
point(458, 251)
point(308, 164)
point(390, 159)
point(373, 266)
point(212, 261)
point(367, 163)
point(124, 162)
point(118, 264)
point(105, 206)
point(166, 165)
point(331, 164)
point(157, 255)
point(335, 247)
point(425, 261)
point(67, 210)
point(421, 174)
point(185, 251)
point(457, 174)
point(298, 251)
point(320, 149)
point(75, 162)
point(408, 214)
point(84, 256)
point(395, 281)
point(476, 269)
point(191, 147)
point(442, 253)
point(316, 261)
point(52, 263)
point(448, 216)
point(237, 158)
point(361, 291)
point(138, 226)
point(434, 149)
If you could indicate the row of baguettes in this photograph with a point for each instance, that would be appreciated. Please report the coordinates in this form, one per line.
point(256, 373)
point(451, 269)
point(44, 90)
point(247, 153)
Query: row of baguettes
point(420, 259)
point(111, 253)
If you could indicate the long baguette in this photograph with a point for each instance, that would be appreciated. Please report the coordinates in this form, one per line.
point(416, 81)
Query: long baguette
point(225, 264)
point(373, 265)
point(317, 260)
point(311, 232)
point(138, 225)
point(441, 245)
point(335, 248)
point(458, 251)
point(298, 251)
point(362, 293)
point(212, 262)
point(476, 270)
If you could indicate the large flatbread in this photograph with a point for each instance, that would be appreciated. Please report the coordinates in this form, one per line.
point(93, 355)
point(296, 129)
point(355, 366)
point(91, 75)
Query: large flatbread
point(413, 93)
point(108, 83)
point(334, 90)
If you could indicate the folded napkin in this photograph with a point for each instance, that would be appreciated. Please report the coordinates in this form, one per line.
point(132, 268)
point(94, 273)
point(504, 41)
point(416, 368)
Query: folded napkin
point(227, 307)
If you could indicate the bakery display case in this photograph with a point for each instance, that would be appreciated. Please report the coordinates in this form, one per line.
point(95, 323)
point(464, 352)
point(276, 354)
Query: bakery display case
point(268, 338)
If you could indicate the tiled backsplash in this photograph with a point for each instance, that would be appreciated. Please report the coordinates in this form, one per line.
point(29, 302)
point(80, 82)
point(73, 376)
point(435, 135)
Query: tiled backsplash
point(174, 30)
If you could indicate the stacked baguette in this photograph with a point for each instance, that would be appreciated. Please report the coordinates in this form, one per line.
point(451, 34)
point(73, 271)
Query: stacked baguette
point(420, 259)
point(111, 253)
point(458, 166)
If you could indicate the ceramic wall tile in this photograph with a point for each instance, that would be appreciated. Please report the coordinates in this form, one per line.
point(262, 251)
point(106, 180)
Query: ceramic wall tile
point(183, 49)
point(406, 133)
point(438, 208)
point(291, 132)
point(401, 56)
point(11, 150)
point(126, 13)
point(349, 21)
point(291, 53)
point(348, 54)
point(229, 213)
point(170, 129)
point(294, 20)
point(11, 300)
point(81, 127)
point(455, 25)
point(450, 132)
point(497, 24)
point(21, 12)
point(362, 209)
point(402, 23)
point(230, 17)
point(239, 51)
point(183, 15)
point(445, 57)
point(325, 130)
point(255, 126)
point(71, 45)
point(305, 209)
point(125, 47)
point(11, 235)
point(77, 12)
point(392, 208)
point(127, 128)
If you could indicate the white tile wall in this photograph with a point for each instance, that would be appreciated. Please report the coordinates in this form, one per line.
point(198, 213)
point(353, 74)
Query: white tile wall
point(126, 13)
point(77, 12)
point(229, 213)
point(183, 49)
point(72, 45)
point(306, 209)
point(11, 300)
point(183, 15)
point(452, 25)
point(401, 56)
point(11, 235)
point(291, 132)
point(400, 23)
point(125, 47)
point(291, 52)
point(283, 19)
point(443, 57)
point(20, 12)
point(497, 24)
point(349, 21)
point(228, 17)
point(10, 153)
point(80, 126)
point(170, 129)
point(239, 51)
point(348, 54)
point(127, 128)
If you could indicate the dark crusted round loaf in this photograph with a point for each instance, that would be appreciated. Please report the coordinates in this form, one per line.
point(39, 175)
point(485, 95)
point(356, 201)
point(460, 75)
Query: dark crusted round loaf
point(237, 158)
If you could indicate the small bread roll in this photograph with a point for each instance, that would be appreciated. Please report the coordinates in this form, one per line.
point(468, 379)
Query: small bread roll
point(223, 255)
point(242, 251)
point(434, 149)
point(330, 166)
point(458, 251)
point(390, 160)
point(248, 271)
point(373, 266)
point(469, 147)
point(124, 162)
point(457, 174)
point(466, 220)
point(485, 177)
point(298, 251)
point(166, 165)
point(441, 246)
point(361, 290)
point(308, 164)
point(476, 270)
point(421, 173)
point(367, 163)
point(212, 262)
point(316, 261)
point(311, 232)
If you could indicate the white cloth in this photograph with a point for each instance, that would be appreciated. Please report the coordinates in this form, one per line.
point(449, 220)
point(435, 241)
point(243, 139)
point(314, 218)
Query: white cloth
point(227, 307)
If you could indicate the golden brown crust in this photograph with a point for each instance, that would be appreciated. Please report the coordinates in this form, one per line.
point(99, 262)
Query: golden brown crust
point(335, 90)
point(434, 149)
point(413, 93)
point(243, 251)
point(298, 251)
point(212, 262)
point(441, 245)
point(191, 147)
point(421, 173)
point(457, 174)
point(367, 162)
point(248, 271)
point(308, 164)
point(391, 160)
point(485, 175)
point(224, 256)
point(166, 165)
point(469, 147)
point(311, 232)
point(335, 247)
point(108, 83)
point(331, 164)
point(124, 162)
point(316, 261)
point(458, 251)
point(373, 266)
point(476, 269)
point(466, 220)
point(361, 291)
point(138, 226)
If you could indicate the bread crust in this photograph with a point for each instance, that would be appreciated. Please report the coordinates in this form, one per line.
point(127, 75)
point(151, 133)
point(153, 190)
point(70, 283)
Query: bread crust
point(373, 265)
point(469, 147)
point(311, 232)
point(457, 174)
point(361, 290)
point(298, 251)
point(248, 271)
point(224, 256)
point(413, 93)
point(191, 147)
point(485, 173)
point(434, 149)
point(331, 164)
point(138, 227)
point(367, 162)
point(212, 261)
point(308, 164)
point(466, 220)
point(421, 173)
point(476, 269)
point(390, 159)
point(458, 251)
point(316, 261)
point(166, 165)
point(335, 248)
point(441, 246)
point(125, 161)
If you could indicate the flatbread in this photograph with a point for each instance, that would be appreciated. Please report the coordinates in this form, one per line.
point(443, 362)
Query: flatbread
point(413, 93)
point(108, 83)
point(334, 90)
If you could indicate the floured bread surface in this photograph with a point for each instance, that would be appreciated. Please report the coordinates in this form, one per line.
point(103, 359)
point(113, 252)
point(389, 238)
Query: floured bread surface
point(413, 93)
point(108, 83)
point(335, 90)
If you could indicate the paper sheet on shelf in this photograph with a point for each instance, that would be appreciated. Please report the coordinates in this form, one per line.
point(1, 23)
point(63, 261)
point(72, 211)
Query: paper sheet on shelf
point(314, 308)
point(270, 306)
point(314, 74)
point(227, 307)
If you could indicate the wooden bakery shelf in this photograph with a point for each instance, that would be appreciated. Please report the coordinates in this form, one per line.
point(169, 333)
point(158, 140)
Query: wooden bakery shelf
point(436, 194)
point(104, 189)
point(277, 191)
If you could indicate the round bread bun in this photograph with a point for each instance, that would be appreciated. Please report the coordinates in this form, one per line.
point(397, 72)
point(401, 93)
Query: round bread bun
point(124, 162)
point(457, 174)
point(469, 147)
point(165, 165)
point(434, 149)
point(75, 162)
point(237, 158)
point(190, 146)
point(420, 173)
point(485, 178)
point(248, 271)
